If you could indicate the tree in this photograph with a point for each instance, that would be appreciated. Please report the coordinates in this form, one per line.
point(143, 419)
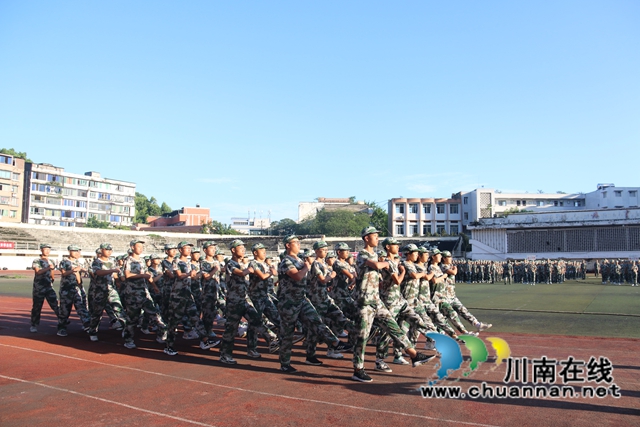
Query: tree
point(216, 227)
point(164, 208)
point(16, 154)
point(148, 207)
point(338, 223)
point(283, 227)
point(379, 218)
point(94, 222)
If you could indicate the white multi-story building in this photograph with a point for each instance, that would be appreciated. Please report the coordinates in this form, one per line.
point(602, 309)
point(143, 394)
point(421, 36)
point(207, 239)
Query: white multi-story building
point(11, 182)
point(424, 217)
point(251, 226)
point(55, 197)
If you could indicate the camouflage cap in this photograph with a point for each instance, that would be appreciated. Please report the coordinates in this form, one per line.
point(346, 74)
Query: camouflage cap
point(290, 238)
point(106, 246)
point(134, 241)
point(235, 243)
point(183, 244)
point(147, 257)
point(45, 245)
point(446, 254)
point(257, 246)
point(209, 243)
point(368, 230)
point(320, 244)
point(331, 254)
point(219, 252)
point(382, 253)
point(435, 251)
point(341, 247)
point(390, 241)
point(155, 256)
point(129, 251)
point(423, 250)
point(73, 248)
point(168, 246)
point(98, 251)
point(195, 249)
point(410, 248)
point(307, 253)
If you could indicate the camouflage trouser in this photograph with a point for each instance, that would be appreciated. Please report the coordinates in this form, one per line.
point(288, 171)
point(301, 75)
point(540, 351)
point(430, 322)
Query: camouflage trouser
point(405, 317)
point(431, 311)
point(333, 317)
point(101, 297)
point(447, 310)
point(70, 295)
point(209, 305)
point(182, 305)
point(166, 298)
point(136, 300)
point(40, 293)
point(222, 301)
point(196, 292)
point(508, 278)
point(266, 306)
point(292, 310)
point(384, 320)
point(462, 311)
point(348, 307)
point(236, 310)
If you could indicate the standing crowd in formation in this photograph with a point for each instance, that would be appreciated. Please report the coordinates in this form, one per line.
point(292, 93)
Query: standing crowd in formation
point(389, 296)
point(531, 272)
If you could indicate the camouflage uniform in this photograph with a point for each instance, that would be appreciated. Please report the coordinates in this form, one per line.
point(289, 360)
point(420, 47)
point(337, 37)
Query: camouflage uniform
point(239, 305)
point(103, 294)
point(210, 292)
point(42, 289)
point(455, 303)
point(443, 296)
point(370, 308)
point(167, 284)
point(137, 298)
point(340, 289)
point(326, 308)
point(70, 294)
point(293, 305)
point(262, 301)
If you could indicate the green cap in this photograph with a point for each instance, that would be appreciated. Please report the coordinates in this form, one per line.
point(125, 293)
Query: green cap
point(73, 248)
point(98, 251)
point(195, 249)
point(209, 243)
point(129, 251)
point(410, 248)
point(446, 254)
point(183, 244)
point(307, 254)
point(168, 246)
point(155, 256)
point(134, 241)
point(331, 254)
point(423, 250)
point(390, 241)
point(290, 238)
point(368, 230)
point(320, 244)
point(382, 253)
point(106, 246)
point(45, 245)
point(435, 251)
point(219, 252)
point(257, 246)
point(341, 247)
point(235, 243)
point(147, 257)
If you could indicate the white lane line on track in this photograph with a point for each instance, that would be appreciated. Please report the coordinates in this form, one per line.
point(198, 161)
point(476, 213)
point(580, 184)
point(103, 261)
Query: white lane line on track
point(160, 414)
point(281, 396)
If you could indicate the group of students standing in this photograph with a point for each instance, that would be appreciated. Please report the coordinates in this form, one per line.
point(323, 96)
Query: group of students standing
point(317, 295)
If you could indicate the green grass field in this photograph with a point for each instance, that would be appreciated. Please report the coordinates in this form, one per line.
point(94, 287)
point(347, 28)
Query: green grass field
point(584, 308)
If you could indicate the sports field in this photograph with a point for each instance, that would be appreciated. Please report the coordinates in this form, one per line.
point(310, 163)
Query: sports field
point(47, 380)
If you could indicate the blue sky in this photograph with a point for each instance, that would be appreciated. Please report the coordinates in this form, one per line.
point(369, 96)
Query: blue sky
point(255, 106)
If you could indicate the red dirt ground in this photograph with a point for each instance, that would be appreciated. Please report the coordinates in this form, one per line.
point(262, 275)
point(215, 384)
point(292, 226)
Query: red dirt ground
point(46, 379)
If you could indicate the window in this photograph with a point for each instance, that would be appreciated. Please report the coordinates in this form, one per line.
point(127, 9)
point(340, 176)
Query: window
point(454, 209)
point(413, 208)
point(5, 174)
point(426, 208)
point(453, 229)
point(400, 229)
point(633, 193)
point(440, 228)
point(413, 229)
point(7, 160)
point(540, 203)
point(618, 193)
point(604, 194)
point(518, 202)
point(426, 229)
point(400, 208)
point(466, 216)
point(465, 200)
point(440, 208)
point(502, 203)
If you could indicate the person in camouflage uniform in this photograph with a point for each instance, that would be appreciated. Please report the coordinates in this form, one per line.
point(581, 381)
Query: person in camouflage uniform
point(102, 292)
point(344, 281)
point(259, 292)
point(320, 276)
point(371, 307)
point(43, 286)
point(181, 302)
point(137, 298)
point(167, 265)
point(239, 305)
point(507, 272)
point(70, 295)
point(155, 285)
point(293, 304)
point(401, 310)
point(210, 269)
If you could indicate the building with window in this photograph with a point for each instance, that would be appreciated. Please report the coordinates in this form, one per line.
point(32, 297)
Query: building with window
point(251, 226)
point(11, 188)
point(187, 220)
point(53, 196)
point(424, 217)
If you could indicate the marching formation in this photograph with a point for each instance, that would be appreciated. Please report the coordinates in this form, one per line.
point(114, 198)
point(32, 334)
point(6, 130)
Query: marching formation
point(389, 296)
